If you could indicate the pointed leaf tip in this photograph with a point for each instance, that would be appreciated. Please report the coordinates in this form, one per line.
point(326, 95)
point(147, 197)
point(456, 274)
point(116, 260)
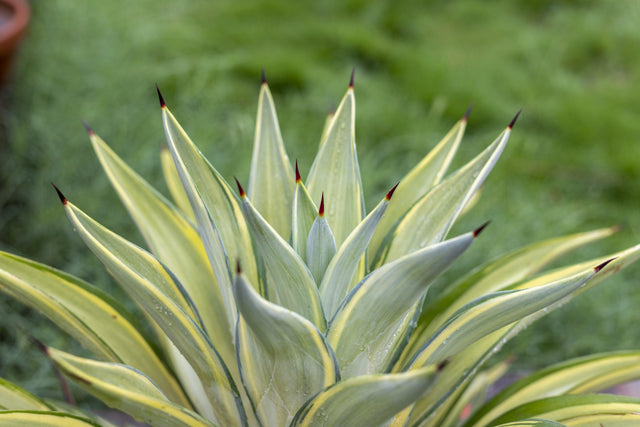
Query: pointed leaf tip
point(353, 72)
point(298, 178)
point(160, 98)
point(263, 75)
point(60, 195)
point(479, 229)
point(468, 112)
point(442, 365)
point(513, 121)
point(390, 193)
point(601, 266)
point(240, 189)
point(238, 267)
point(321, 210)
point(43, 348)
point(88, 128)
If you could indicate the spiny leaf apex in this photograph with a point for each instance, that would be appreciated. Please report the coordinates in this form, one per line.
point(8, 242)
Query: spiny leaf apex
point(60, 195)
point(88, 128)
point(321, 210)
point(263, 75)
point(479, 229)
point(160, 98)
point(43, 348)
point(353, 72)
point(390, 193)
point(601, 266)
point(467, 113)
point(513, 121)
point(240, 189)
point(298, 178)
point(442, 365)
point(238, 267)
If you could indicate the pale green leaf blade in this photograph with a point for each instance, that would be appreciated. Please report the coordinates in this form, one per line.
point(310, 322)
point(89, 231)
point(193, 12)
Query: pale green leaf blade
point(289, 281)
point(284, 359)
point(271, 181)
point(303, 215)
point(174, 242)
point(340, 275)
point(581, 375)
point(494, 311)
point(220, 223)
point(426, 174)
point(494, 276)
point(431, 217)
point(569, 409)
point(367, 400)
point(43, 419)
point(13, 397)
point(321, 246)
point(174, 184)
point(335, 172)
point(126, 389)
point(87, 314)
point(366, 330)
point(155, 289)
point(533, 422)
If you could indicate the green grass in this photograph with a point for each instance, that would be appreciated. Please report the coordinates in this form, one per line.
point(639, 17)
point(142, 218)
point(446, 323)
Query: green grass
point(572, 164)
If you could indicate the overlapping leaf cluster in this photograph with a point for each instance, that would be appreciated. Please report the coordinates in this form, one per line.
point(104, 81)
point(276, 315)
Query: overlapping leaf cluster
point(289, 305)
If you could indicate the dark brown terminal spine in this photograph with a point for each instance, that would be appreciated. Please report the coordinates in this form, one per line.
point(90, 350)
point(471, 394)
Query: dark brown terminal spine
point(353, 72)
point(240, 189)
point(390, 193)
point(601, 266)
point(160, 98)
point(479, 229)
point(88, 128)
point(298, 178)
point(513, 121)
point(321, 210)
point(467, 113)
point(263, 76)
point(60, 195)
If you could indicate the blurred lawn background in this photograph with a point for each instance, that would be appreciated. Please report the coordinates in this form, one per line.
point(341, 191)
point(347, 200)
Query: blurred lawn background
point(573, 162)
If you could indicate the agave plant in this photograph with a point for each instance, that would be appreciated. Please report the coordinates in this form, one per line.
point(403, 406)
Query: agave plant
point(288, 305)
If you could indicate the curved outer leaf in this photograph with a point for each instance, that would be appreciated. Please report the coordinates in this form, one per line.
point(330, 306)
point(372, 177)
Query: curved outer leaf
point(569, 409)
point(156, 291)
point(176, 243)
point(303, 215)
point(13, 397)
point(431, 217)
point(125, 388)
point(174, 184)
point(289, 281)
point(419, 180)
point(367, 400)
point(271, 182)
point(43, 419)
point(220, 222)
point(339, 278)
point(495, 276)
point(284, 359)
point(369, 325)
point(533, 422)
point(335, 172)
point(463, 366)
point(321, 247)
point(488, 314)
point(582, 375)
point(88, 315)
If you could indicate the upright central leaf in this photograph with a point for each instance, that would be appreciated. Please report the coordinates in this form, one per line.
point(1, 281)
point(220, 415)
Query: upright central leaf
point(272, 180)
point(335, 172)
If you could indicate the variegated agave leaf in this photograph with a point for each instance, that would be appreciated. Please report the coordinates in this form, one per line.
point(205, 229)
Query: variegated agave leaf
point(289, 305)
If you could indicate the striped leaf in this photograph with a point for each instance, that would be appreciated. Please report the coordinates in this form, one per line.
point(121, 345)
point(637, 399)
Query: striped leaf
point(13, 397)
point(174, 184)
point(369, 326)
point(289, 281)
point(126, 389)
point(303, 215)
point(430, 218)
point(97, 321)
point(426, 174)
point(284, 359)
point(162, 297)
point(43, 419)
point(335, 172)
point(272, 180)
point(367, 400)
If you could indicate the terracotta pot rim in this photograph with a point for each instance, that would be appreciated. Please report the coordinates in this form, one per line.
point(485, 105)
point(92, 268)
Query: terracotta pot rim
point(18, 22)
